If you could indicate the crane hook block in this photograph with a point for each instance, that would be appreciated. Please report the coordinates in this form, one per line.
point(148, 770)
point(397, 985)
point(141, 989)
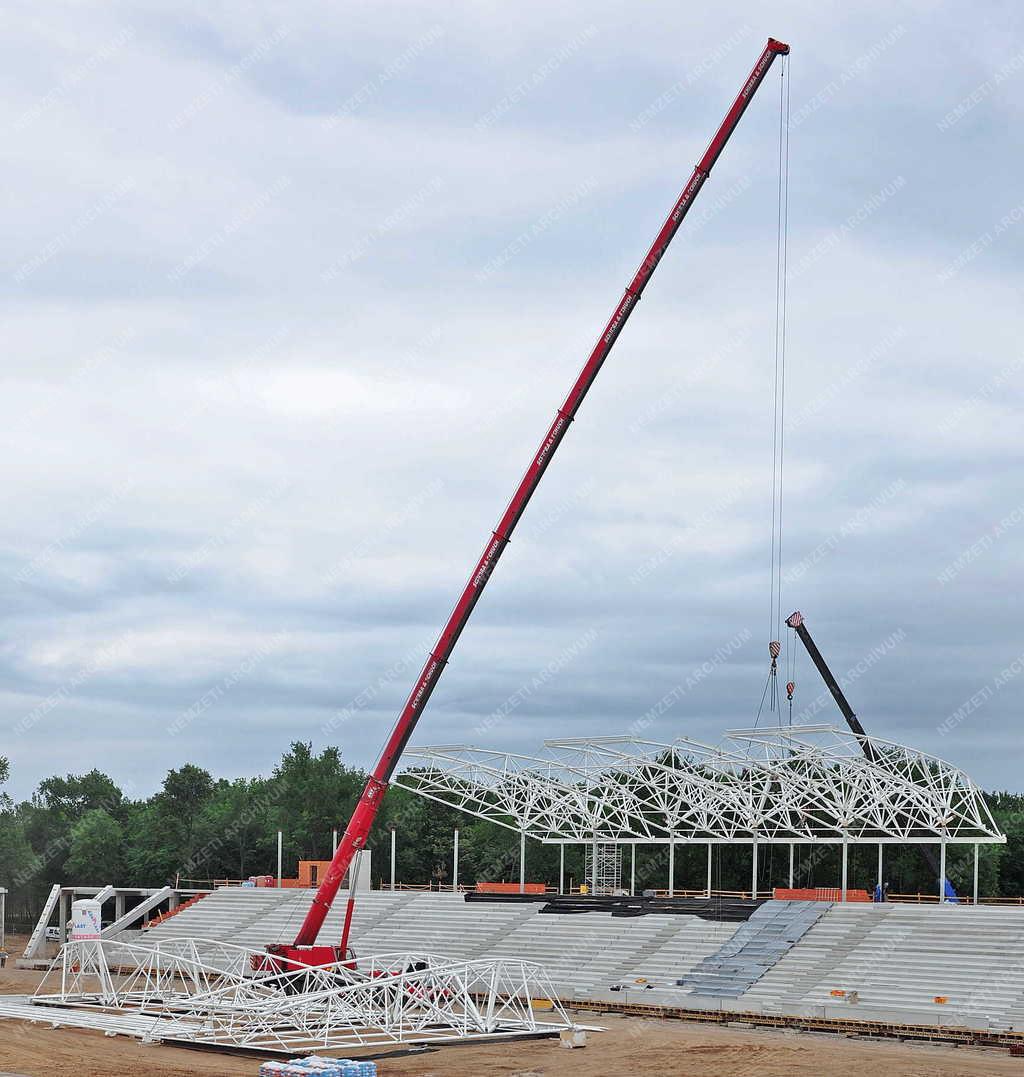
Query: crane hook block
point(774, 649)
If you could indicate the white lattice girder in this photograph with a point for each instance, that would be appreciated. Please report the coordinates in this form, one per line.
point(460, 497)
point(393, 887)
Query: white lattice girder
point(779, 784)
point(206, 992)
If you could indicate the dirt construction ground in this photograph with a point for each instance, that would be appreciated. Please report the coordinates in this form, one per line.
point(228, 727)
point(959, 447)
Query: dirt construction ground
point(629, 1046)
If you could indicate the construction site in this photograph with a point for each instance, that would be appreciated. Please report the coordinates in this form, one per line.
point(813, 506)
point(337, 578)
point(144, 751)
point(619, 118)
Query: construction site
point(759, 935)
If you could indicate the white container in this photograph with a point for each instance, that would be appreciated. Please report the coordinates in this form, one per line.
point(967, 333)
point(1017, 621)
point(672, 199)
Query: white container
point(86, 919)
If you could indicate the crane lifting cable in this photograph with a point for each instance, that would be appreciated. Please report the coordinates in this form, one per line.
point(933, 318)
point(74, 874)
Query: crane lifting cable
point(771, 688)
point(305, 951)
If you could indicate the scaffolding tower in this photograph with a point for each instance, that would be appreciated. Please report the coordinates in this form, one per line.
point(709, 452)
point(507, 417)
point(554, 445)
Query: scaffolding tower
point(607, 878)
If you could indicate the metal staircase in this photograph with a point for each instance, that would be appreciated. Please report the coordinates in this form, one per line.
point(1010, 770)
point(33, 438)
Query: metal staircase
point(754, 949)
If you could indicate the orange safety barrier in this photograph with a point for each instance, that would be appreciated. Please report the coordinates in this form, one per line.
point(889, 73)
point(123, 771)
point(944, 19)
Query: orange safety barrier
point(511, 888)
point(818, 893)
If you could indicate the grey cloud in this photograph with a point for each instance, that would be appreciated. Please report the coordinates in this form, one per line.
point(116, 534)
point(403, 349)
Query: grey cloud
point(351, 392)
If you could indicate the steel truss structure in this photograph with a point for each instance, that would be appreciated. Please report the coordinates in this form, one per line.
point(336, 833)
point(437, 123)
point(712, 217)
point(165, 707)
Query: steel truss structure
point(797, 784)
point(204, 992)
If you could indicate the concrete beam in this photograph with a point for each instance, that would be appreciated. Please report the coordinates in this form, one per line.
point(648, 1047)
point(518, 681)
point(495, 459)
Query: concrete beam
point(140, 910)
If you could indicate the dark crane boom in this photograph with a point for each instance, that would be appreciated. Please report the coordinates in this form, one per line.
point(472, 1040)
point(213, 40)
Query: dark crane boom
point(797, 623)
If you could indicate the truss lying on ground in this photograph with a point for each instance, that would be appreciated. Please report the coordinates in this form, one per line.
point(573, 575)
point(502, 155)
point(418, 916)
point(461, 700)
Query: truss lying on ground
point(205, 992)
point(781, 784)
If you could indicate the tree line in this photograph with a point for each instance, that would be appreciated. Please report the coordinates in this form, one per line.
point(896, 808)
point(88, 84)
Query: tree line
point(82, 828)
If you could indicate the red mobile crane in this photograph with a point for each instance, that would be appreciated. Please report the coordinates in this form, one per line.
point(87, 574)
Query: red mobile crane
point(304, 950)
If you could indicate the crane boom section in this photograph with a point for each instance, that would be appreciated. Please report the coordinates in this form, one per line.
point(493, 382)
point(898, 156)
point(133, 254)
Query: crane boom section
point(797, 623)
point(361, 822)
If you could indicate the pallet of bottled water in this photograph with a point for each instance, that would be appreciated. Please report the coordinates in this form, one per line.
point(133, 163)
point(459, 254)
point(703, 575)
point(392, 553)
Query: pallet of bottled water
point(315, 1066)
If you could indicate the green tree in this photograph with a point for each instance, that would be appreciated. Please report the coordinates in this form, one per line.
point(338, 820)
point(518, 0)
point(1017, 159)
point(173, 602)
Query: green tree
point(185, 793)
point(1006, 862)
point(313, 794)
point(75, 794)
point(97, 841)
point(17, 861)
point(235, 836)
point(152, 844)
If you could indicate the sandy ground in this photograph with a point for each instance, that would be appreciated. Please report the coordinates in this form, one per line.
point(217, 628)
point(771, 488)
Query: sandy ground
point(629, 1046)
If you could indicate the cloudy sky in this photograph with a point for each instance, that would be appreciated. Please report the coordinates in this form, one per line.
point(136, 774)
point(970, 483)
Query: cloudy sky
point(291, 291)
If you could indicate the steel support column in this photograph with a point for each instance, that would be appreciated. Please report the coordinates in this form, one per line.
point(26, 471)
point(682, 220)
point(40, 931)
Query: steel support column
point(671, 865)
point(455, 862)
point(942, 869)
point(845, 867)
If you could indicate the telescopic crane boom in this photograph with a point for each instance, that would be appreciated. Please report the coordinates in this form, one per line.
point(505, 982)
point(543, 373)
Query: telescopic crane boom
point(304, 951)
point(799, 625)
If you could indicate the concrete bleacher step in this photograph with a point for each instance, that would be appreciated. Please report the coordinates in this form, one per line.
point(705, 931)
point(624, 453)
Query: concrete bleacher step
point(906, 963)
point(756, 947)
point(485, 946)
point(441, 924)
point(675, 949)
point(1013, 1017)
point(798, 972)
point(220, 915)
point(656, 941)
point(379, 912)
